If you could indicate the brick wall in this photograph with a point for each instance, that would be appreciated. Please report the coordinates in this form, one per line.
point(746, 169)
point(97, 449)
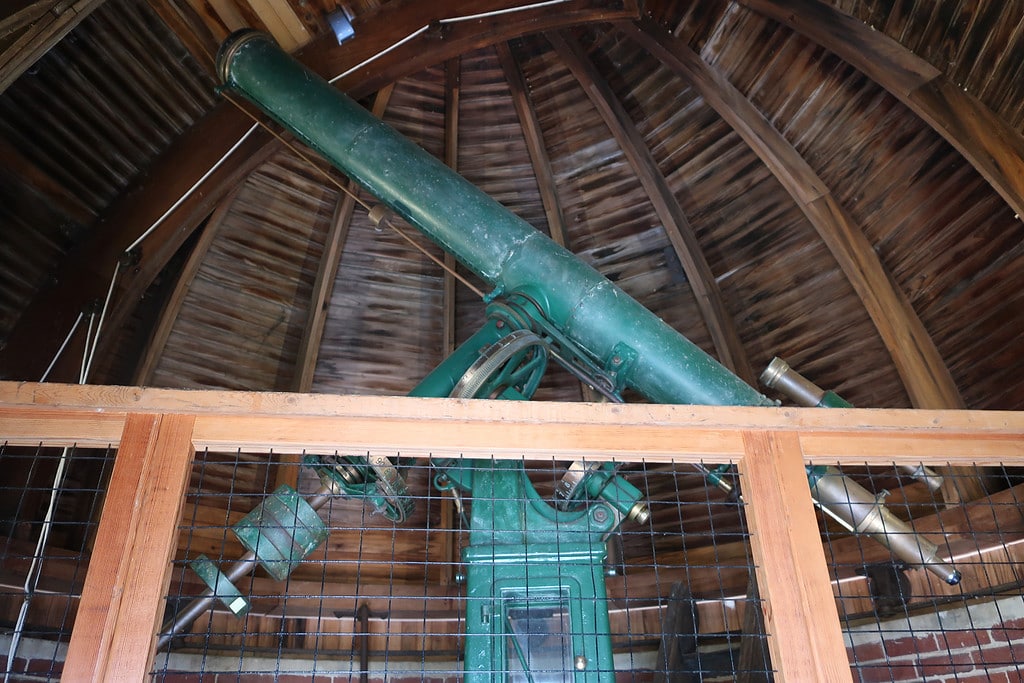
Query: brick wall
point(982, 642)
point(40, 661)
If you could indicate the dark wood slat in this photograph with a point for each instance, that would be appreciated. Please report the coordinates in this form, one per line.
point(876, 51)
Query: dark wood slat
point(986, 141)
point(85, 275)
point(47, 31)
point(921, 366)
point(452, 91)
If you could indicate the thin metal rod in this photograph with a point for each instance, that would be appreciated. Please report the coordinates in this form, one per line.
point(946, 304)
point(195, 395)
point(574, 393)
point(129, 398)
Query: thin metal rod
point(63, 346)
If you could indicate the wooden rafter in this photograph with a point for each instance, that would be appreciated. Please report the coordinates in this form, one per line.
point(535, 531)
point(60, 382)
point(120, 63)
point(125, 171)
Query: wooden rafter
point(985, 140)
point(169, 314)
point(680, 233)
point(42, 25)
point(924, 373)
point(540, 163)
point(309, 347)
point(534, 145)
point(452, 92)
point(182, 188)
point(920, 365)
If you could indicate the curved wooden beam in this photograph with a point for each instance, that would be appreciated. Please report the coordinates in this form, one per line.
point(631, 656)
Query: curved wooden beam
point(985, 140)
point(541, 164)
point(85, 274)
point(924, 373)
point(323, 287)
point(534, 145)
point(918, 361)
point(680, 233)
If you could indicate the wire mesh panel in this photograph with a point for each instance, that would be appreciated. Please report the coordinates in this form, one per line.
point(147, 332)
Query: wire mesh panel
point(471, 570)
point(50, 500)
point(955, 612)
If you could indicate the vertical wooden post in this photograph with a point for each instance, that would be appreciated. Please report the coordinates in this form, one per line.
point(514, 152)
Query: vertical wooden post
point(129, 572)
point(804, 638)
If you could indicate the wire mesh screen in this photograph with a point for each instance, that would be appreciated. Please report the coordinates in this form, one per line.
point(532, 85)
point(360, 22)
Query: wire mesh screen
point(50, 500)
point(485, 570)
point(953, 613)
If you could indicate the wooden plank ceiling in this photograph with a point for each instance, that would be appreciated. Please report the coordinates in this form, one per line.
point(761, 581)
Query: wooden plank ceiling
point(847, 199)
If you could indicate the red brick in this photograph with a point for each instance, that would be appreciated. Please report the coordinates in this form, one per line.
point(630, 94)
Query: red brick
point(1002, 634)
point(183, 677)
point(959, 663)
point(866, 652)
point(1000, 677)
point(911, 645)
point(44, 666)
point(881, 673)
point(1000, 656)
point(963, 640)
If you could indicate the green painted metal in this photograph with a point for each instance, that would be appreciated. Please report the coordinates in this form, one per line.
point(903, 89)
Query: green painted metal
point(524, 554)
point(524, 551)
point(831, 399)
point(221, 585)
point(505, 251)
point(281, 532)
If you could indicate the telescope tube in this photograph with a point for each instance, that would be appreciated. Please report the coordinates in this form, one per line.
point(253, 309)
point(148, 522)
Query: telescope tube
point(506, 252)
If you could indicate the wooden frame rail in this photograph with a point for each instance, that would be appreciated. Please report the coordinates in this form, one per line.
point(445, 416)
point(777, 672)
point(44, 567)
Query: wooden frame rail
point(158, 431)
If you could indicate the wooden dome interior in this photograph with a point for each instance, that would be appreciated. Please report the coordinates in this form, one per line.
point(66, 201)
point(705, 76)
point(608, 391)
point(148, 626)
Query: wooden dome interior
point(835, 182)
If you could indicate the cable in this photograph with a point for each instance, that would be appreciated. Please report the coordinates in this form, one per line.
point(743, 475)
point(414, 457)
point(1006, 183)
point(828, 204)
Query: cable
point(63, 346)
point(450, 20)
point(190, 190)
point(99, 324)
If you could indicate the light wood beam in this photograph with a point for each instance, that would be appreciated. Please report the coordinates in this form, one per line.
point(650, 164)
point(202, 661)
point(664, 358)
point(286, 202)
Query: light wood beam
point(129, 573)
point(719, 322)
point(58, 414)
point(40, 34)
point(804, 638)
point(187, 167)
point(282, 23)
point(986, 141)
point(920, 365)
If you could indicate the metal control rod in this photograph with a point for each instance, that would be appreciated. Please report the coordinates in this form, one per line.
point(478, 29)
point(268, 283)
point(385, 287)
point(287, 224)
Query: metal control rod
point(784, 379)
point(243, 567)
